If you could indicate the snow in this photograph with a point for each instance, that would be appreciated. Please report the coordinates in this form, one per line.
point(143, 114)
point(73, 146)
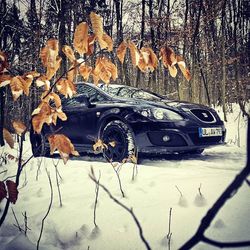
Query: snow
point(160, 184)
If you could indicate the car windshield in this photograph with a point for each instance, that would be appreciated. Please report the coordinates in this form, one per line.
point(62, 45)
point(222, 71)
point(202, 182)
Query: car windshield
point(130, 92)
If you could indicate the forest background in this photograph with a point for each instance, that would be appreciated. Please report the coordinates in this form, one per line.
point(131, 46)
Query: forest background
point(213, 36)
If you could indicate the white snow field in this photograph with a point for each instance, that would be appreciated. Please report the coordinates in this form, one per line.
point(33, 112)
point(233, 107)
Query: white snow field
point(160, 184)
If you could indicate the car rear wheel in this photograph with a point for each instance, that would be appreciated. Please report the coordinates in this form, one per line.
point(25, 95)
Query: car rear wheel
point(117, 132)
point(38, 145)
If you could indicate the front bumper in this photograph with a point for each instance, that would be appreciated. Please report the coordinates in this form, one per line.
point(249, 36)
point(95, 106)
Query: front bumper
point(183, 137)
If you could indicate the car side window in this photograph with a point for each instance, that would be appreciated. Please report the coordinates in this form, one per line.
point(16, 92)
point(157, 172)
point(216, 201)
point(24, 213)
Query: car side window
point(91, 93)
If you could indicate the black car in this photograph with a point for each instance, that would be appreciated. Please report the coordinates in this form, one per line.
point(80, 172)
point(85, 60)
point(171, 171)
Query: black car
point(136, 120)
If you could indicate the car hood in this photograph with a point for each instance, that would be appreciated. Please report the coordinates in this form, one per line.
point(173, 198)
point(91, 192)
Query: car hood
point(164, 103)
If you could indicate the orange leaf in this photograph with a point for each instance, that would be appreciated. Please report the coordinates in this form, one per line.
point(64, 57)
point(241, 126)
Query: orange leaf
point(5, 79)
point(12, 191)
point(85, 71)
point(19, 127)
point(52, 70)
point(172, 71)
point(3, 192)
point(183, 68)
point(49, 53)
point(108, 40)
point(16, 85)
point(168, 56)
point(135, 55)
point(81, 38)
point(8, 137)
point(72, 72)
point(121, 51)
point(99, 146)
point(68, 51)
point(43, 114)
point(66, 87)
point(3, 62)
point(91, 41)
point(63, 144)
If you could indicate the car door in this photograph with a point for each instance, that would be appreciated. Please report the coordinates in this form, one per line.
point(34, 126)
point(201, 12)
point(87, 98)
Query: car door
point(82, 118)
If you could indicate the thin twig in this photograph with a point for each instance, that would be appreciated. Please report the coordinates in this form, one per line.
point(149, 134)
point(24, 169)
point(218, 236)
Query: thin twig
point(169, 224)
point(96, 197)
point(199, 189)
point(57, 182)
point(47, 213)
point(179, 190)
point(18, 226)
point(118, 177)
point(129, 210)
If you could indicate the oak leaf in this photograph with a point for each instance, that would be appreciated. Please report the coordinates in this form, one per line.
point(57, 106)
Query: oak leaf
point(8, 137)
point(63, 144)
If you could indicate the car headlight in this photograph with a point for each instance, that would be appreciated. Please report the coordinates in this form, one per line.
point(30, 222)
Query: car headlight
point(159, 114)
point(166, 114)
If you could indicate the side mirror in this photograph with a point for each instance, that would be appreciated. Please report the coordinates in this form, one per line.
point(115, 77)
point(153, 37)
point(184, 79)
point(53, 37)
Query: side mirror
point(85, 100)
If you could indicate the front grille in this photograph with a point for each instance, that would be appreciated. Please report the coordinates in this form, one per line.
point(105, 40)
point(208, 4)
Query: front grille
point(176, 140)
point(206, 140)
point(203, 115)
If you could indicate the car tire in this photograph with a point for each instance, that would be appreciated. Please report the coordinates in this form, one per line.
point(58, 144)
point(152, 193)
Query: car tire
point(118, 132)
point(38, 145)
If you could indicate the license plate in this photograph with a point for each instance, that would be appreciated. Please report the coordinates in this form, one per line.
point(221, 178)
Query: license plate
point(207, 132)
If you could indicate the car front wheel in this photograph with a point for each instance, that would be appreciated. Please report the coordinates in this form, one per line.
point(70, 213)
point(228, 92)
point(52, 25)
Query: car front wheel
point(119, 140)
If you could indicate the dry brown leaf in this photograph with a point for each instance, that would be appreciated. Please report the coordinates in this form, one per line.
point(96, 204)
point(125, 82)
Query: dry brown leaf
point(51, 71)
point(3, 62)
point(121, 51)
point(99, 146)
point(19, 127)
point(5, 79)
point(91, 42)
point(42, 80)
point(66, 87)
point(183, 68)
point(16, 85)
point(108, 40)
point(43, 114)
point(96, 21)
point(85, 71)
point(49, 53)
point(72, 72)
point(135, 55)
point(68, 51)
point(8, 137)
point(172, 71)
point(168, 56)
point(81, 38)
point(63, 144)
point(12, 191)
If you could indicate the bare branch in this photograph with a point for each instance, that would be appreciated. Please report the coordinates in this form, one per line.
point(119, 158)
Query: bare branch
point(96, 197)
point(225, 244)
point(47, 213)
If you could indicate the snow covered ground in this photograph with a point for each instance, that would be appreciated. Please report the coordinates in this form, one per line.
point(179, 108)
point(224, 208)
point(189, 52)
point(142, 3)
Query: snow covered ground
point(160, 184)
